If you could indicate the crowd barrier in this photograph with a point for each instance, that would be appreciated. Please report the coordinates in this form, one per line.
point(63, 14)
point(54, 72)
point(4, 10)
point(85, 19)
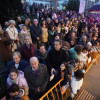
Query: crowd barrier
point(84, 95)
point(64, 95)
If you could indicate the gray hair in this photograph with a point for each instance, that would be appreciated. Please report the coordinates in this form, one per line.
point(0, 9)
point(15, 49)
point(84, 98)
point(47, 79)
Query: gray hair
point(35, 20)
point(89, 43)
point(11, 21)
point(17, 53)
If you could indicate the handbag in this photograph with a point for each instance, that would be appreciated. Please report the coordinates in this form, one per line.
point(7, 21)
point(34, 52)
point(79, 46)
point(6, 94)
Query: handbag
point(8, 42)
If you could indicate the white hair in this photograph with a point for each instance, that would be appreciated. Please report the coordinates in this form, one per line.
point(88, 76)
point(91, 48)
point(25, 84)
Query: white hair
point(33, 59)
point(89, 43)
point(11, 21)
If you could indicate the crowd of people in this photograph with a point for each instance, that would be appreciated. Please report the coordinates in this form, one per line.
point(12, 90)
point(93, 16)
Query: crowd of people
point(38, 53)
point(29, 9)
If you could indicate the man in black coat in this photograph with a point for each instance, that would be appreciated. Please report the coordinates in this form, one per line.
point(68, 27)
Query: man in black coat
point(36, 32)
point(56, 57)
point(37, 78)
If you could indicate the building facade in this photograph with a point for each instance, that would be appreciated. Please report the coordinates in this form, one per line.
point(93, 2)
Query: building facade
point(52, 3)
point(90, 3)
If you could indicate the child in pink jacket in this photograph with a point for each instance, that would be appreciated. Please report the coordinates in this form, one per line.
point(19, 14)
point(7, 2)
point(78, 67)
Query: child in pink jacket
point(17, 77)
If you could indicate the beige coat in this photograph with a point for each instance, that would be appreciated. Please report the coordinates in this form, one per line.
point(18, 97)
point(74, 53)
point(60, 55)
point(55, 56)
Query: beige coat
point(44, 35)
point(13, 34)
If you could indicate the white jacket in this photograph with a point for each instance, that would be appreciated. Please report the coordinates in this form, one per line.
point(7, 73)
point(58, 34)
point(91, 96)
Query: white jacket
point(76, 84)
point(13, 33)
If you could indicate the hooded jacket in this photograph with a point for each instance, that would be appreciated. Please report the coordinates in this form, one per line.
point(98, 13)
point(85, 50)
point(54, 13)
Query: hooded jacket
point(21, 81)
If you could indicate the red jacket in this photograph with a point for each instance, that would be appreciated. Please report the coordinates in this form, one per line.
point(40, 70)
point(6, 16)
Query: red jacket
point(28, 53)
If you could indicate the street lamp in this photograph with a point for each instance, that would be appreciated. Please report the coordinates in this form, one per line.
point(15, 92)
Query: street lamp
point(64, 7)
point(22, 1)
point(57, 8)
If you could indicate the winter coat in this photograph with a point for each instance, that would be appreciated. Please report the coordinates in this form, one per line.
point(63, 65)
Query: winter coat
point(5, 50)
point(64, 74)
point(44, 35)
point(27, 53)
point(76, 85)
point(21, 81)
point(13, 34)
point(22, 65)
point(56, 58)
point(3, 88)
point(51, 36)
point(41, 57)
point(35, 32)
point(36, 81)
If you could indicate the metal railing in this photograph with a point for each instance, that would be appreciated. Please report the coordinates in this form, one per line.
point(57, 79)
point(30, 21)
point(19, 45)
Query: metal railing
point(94, 56)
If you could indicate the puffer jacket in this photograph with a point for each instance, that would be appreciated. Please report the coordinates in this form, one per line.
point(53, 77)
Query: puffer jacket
point(21, 81)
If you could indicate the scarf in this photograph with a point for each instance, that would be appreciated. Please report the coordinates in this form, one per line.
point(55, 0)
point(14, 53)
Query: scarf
point(13, 81)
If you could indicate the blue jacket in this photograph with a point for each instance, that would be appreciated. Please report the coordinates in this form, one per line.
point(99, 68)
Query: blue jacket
point(22, 65)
